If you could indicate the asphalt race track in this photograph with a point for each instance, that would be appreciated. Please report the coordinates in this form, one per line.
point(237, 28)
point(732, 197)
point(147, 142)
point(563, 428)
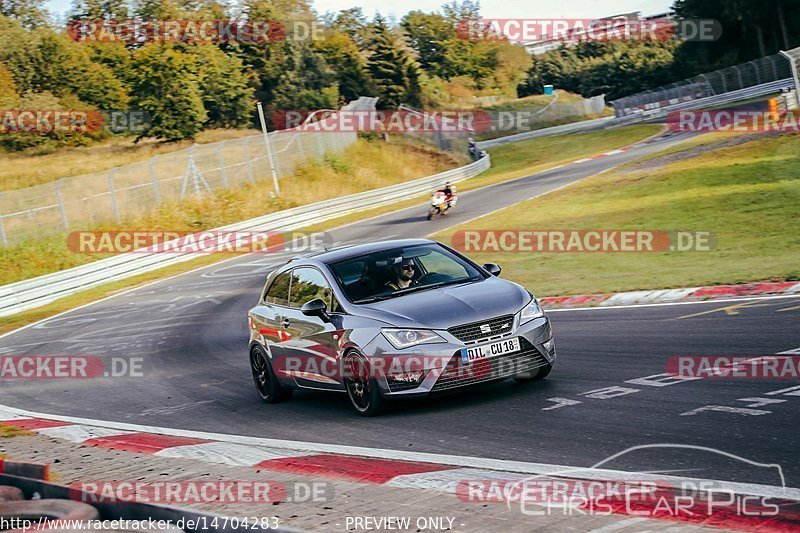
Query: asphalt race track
point(191, 334)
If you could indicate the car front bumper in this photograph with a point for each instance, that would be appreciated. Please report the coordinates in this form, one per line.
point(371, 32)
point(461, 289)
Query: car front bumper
point(432, 368)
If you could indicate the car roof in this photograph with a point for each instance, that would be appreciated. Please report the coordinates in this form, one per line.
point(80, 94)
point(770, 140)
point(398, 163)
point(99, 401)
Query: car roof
point(347, 252)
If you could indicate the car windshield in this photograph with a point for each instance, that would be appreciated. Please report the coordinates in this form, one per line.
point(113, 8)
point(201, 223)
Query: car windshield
point(400, 271)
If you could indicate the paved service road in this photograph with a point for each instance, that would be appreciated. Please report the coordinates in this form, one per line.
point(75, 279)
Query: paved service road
point(192, 335)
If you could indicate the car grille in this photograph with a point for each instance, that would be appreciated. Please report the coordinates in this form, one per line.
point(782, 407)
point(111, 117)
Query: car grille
point(400, 386)
point(472, 332)
point(460, 374)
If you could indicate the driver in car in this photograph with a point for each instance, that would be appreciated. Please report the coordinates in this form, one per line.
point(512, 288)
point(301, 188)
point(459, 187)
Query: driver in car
point(404, 276)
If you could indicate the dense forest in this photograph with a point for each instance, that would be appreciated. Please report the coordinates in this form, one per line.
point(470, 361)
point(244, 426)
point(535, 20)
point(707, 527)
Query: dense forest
point(419, 60)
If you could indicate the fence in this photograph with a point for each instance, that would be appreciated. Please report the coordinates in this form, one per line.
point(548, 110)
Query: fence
point(110, 196)
point(35, 292)
point(736, 78)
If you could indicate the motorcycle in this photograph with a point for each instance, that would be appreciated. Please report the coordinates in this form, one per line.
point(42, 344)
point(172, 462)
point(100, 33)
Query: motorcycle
point(440, 204)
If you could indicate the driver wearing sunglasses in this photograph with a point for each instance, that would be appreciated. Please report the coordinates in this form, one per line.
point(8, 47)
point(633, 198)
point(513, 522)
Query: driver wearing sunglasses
point(404, 275)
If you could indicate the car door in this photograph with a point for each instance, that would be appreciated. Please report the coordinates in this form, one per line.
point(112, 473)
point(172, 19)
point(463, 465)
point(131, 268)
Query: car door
point(311, 346)
point(267, 317)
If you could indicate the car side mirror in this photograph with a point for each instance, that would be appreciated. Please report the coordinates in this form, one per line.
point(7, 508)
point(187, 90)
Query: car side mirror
point(316, 307)
point(493, 269)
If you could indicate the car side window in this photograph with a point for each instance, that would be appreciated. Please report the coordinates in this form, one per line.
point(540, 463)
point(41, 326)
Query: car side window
point(308, 284)
point(278, 292)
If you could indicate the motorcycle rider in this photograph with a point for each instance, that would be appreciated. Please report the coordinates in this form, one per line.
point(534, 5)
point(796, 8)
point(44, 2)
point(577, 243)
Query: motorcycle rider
point(449, 192)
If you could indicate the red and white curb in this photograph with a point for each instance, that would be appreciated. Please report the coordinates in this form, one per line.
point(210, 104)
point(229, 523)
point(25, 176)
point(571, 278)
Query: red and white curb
point(691, 294)
point(436, 472)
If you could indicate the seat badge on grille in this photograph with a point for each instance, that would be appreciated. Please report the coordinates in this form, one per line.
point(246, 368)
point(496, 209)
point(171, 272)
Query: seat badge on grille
point(486, 328)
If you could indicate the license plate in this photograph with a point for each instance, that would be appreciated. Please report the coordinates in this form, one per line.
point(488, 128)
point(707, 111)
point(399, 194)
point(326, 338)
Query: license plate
point(468, 355)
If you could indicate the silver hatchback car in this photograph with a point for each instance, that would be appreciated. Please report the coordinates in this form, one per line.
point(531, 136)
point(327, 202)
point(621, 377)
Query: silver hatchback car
point(393, 319)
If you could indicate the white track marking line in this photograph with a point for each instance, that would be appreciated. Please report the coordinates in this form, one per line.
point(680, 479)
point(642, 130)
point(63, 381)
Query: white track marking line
point(448, 480)
point(622, 524)
point(635, 306)
point(501, 465)
point(227, 453)
point(80, 433)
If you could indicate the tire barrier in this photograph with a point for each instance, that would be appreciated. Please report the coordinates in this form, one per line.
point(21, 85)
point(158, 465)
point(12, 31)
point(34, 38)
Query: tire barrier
point(48, 509)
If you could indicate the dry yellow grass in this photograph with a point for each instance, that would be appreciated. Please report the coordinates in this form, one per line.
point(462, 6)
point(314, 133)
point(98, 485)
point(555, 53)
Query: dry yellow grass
point(364, 166)
point(37, 166)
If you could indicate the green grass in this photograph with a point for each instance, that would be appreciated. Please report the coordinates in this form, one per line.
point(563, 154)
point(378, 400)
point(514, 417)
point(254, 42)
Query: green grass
point(748, 196)
point(526, 157)
point(509, 162)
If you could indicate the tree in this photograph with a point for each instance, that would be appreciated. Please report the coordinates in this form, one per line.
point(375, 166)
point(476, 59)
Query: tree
point(9, 97)
point(165, 84)
point(227, 97)
point(308, 82)
point(341, 53)
point(751, 29)
point(431, 36)
point(98, 9)
point(390, 66)
point(351, 22)
point(30, 13)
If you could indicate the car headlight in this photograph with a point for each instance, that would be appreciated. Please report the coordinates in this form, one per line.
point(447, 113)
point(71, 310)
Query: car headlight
point(530, 311)
point(405, 338)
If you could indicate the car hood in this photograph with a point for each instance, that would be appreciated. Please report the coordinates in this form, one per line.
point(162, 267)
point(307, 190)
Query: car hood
point(450, 306)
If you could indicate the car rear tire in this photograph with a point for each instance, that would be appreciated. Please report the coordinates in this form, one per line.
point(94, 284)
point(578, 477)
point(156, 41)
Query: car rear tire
point(541, 373)
point(362, 389)
point(267, 384)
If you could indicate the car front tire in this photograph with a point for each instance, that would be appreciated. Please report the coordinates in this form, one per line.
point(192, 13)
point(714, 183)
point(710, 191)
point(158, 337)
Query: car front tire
point(266, 383)
point(362, 389)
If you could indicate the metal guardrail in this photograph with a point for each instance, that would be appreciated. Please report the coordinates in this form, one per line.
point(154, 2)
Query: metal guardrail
point(572, 127)
point(645, 116)
point(35, 292)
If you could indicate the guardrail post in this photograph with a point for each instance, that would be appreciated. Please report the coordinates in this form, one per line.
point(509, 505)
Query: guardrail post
point(3, 236)
point(221, 158)
point(114, 206)
point(61, 204)
point(156, 190)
